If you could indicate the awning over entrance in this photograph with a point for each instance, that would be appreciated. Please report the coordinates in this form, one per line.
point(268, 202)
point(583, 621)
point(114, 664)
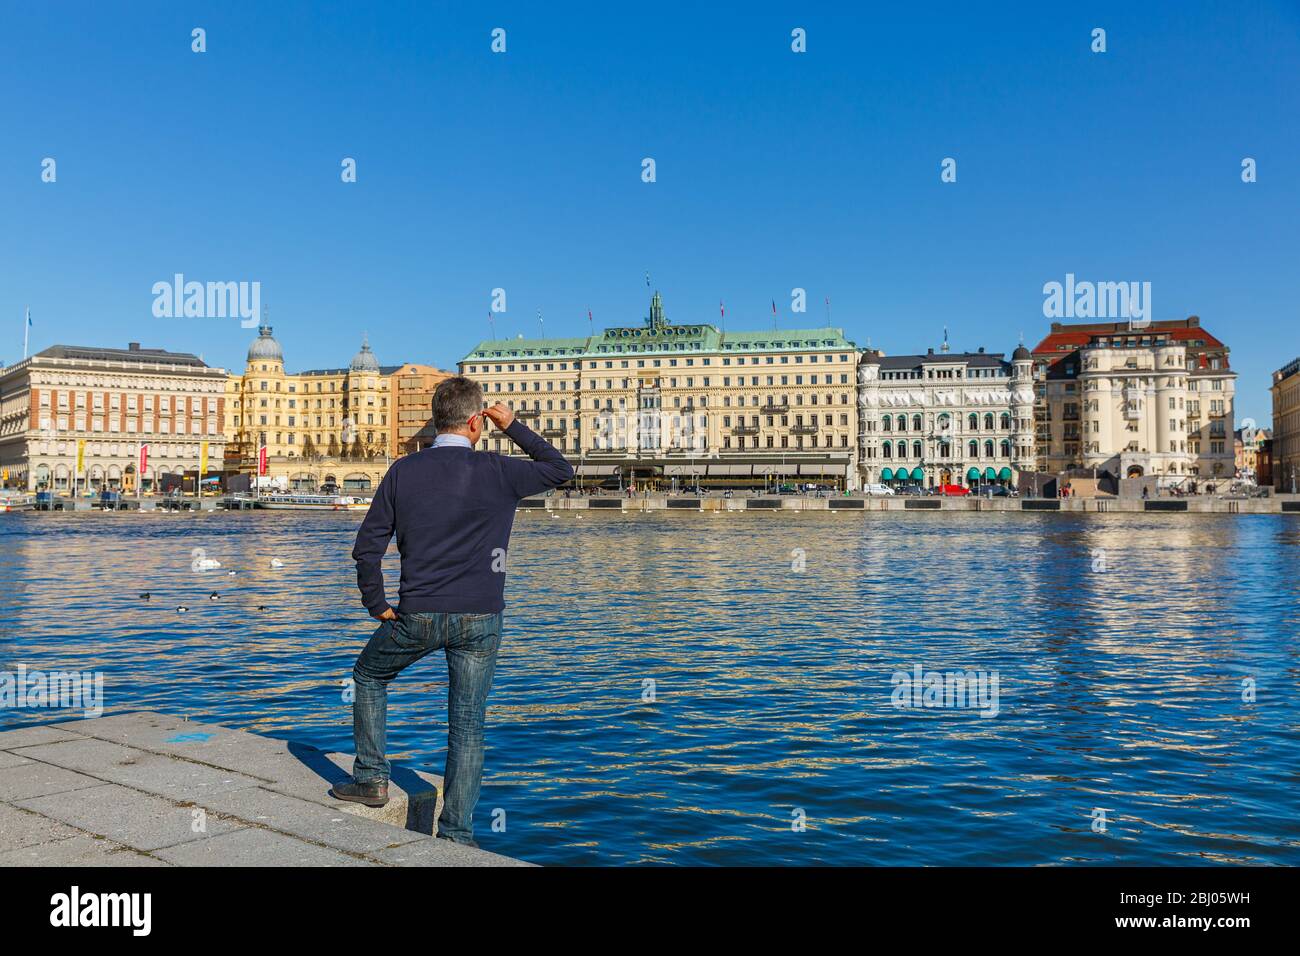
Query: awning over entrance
point(831, 470)
point(918, 474)
point(973, 474)
point(887, 474)
point(731, 471)
point(596, 469)
point(990, 474)
point(1005, 474)
point(679, 471)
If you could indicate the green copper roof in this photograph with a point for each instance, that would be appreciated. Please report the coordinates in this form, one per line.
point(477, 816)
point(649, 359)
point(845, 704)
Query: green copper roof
point(657, 336)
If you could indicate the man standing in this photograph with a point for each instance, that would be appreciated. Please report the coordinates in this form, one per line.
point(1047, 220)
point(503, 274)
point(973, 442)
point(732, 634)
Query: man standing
point(452, 509)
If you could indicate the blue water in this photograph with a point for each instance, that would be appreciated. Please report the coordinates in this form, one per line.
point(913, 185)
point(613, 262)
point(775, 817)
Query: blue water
point(1120, 689)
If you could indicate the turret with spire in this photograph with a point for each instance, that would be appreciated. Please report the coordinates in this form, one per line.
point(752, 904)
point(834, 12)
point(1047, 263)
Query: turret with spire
point(656, 320)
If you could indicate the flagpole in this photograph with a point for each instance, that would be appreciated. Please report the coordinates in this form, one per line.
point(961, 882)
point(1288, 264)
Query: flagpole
point(27, 328)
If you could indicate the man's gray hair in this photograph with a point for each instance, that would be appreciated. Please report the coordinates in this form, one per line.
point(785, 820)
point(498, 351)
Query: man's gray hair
point(455, 401)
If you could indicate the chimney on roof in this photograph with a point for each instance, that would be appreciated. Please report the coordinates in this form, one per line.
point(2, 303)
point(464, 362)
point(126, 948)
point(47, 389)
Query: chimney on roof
point(1193, 321)
point(133, 347)
point(1056, 326)
point(930, 351)
point(981, 350)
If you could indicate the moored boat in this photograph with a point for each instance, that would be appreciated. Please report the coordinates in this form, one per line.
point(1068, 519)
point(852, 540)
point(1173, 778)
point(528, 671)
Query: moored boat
point(16, 501)
point(311, 502)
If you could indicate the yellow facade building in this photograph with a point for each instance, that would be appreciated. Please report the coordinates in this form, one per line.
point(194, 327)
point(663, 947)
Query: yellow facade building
point(659, 404)
point(335, 413)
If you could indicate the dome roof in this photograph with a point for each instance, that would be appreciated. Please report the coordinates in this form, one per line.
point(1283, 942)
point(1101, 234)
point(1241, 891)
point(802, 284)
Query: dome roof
point(1020, 354)
point(264, 347)
point(364, 361)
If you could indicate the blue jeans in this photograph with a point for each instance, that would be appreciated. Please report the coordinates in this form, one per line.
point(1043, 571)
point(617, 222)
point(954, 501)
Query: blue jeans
point(471, 642)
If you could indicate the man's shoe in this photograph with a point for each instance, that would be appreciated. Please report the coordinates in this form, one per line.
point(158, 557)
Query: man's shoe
point(469, 842)
point(367, 794)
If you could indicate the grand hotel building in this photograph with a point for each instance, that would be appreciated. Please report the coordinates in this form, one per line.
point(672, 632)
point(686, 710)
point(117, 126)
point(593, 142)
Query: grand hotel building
point(658, 402)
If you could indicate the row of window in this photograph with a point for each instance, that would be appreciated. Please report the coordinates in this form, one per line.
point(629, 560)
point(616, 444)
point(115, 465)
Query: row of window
point(133, 401)
point(942, 373)
point(655, 363)
point(901, 448)
point(130, 425)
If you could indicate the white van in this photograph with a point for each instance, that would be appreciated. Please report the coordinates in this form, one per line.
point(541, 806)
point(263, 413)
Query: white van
point(878, 489)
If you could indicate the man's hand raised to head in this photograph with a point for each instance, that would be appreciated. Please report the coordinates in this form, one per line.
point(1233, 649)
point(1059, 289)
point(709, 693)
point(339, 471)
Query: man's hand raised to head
point(501, 415)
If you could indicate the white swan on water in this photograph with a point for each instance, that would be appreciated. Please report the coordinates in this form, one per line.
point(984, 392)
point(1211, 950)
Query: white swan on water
point(199, 561)
point(277, 563)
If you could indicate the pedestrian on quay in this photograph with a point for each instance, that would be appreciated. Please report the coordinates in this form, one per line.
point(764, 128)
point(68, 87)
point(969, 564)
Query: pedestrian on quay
point(452, 509)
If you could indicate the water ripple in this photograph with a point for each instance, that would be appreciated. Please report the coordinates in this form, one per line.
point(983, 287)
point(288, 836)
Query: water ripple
point(771, 699)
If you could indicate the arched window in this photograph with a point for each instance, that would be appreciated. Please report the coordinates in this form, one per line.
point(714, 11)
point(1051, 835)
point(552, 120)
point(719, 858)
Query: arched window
point(988, 449)
point(973, 422)
point(888, 423)
point(916, 449)
point(945, 450)
point(1006, 449)
point(886, 449)
point(1006, 421)
point(916, 423)
point(974, 448)
point(902, 449)
point(988, 421)
point(902, 423)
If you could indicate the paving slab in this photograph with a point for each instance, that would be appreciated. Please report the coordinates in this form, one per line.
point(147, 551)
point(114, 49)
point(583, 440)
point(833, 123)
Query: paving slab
point(28, 736)
point(23, 828)
point(139, 769)
point(133, 781)
point(289, 767)
point(34, 779)
point(79, 851)
point(137, 820)
point(431, 851)
point(310, 821)
point(256, 847)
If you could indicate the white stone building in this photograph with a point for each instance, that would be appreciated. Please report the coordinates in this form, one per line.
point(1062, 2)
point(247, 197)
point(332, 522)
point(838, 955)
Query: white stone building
point(960, 418)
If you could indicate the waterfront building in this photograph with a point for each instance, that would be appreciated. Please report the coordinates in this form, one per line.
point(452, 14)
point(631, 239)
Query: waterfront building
point(1156, 400)
point(660, 403)
point(106, 403)
point(1286, 427)
point(1250, 445)
point(411, 388)
point(337, 413)
point(959, 418)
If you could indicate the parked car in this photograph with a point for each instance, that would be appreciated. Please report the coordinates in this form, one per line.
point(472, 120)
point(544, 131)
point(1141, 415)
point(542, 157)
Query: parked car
point(997, 491)
point(952, 491)
point(909, 490)
point(877, 489)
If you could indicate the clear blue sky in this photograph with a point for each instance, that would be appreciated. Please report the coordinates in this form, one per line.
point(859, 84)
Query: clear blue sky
point(522, 170)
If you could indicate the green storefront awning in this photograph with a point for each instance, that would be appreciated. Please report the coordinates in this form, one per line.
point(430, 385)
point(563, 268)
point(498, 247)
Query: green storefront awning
point(1005, 474)
point(918, 474)
point(973, 475)
point(990, 474)
point(887, 474)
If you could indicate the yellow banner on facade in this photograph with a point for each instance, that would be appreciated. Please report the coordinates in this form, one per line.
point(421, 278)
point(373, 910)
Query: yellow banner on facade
point(203, 459)
point(81, 455)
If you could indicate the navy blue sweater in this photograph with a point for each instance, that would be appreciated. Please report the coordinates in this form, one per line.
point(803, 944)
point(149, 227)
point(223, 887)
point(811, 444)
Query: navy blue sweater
point(452, 509)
